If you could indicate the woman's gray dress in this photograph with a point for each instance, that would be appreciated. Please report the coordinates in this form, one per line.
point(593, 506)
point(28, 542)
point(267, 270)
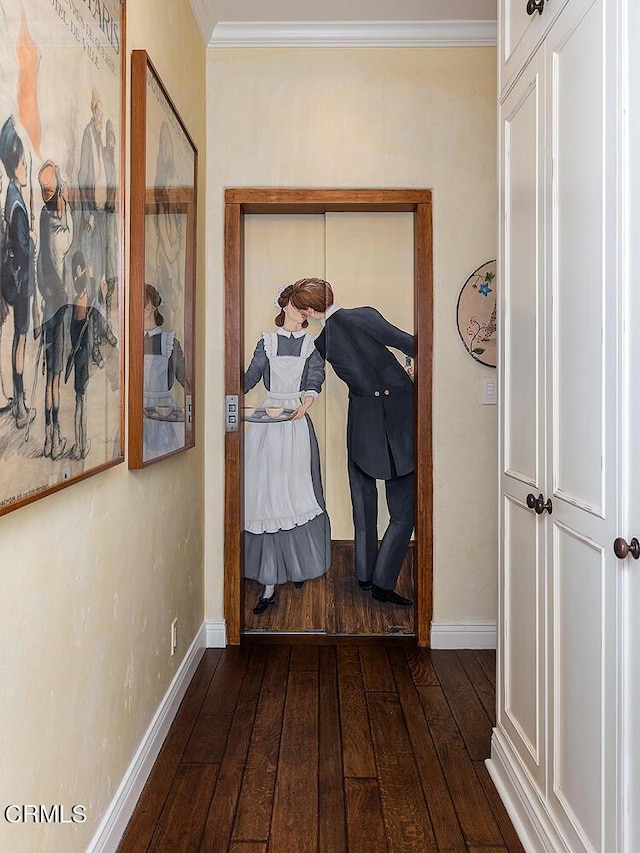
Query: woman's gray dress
point(303, 550)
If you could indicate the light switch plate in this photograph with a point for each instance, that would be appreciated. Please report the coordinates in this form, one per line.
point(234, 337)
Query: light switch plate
point(489, 392)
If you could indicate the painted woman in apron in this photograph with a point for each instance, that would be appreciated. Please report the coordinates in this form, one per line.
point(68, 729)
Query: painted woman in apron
point(287, 533)
point(163, 363)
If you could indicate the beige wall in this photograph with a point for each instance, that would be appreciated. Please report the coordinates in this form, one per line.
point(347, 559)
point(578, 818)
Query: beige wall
point(92, 576)
point(375, 118)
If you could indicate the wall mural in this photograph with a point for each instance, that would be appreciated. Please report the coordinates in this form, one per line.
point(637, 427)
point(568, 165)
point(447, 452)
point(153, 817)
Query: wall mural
point(287, 534)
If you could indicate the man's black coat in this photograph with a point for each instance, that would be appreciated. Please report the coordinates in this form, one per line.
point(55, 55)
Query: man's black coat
point(380, 421)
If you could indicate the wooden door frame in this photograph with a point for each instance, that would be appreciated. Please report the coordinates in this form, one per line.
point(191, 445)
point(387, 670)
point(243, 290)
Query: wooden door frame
point(248, 200)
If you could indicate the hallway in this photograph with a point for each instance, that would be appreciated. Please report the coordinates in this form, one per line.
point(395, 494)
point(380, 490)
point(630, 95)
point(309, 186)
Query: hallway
point(370, 748)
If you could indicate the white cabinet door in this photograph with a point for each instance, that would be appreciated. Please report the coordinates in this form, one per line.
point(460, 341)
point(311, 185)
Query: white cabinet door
point(522, 619)
point(563, 377)
point(519, 33)
point(583, 401)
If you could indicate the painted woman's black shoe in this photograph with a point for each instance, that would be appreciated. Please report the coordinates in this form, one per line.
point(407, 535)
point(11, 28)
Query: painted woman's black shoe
point(263, 603)
point(298, 584)
point(364, 585)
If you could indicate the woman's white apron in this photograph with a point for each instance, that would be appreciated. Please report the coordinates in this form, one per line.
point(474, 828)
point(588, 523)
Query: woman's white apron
point(278, 489)
point(160, 437)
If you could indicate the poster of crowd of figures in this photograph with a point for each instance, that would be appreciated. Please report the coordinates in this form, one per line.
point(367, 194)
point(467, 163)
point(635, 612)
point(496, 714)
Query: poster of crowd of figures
point(61, 159)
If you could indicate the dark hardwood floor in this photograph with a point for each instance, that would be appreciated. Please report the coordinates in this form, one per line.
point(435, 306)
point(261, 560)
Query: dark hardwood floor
point(375, 748)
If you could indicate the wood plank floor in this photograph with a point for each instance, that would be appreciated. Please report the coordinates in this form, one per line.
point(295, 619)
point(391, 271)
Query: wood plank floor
point(333, 604)
point(375, 748)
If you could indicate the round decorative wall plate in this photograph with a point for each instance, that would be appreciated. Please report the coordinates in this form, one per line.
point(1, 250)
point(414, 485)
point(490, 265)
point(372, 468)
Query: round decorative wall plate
point(477, 314)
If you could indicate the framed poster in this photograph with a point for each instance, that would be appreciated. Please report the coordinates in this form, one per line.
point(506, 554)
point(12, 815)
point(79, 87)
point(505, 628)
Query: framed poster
point(163, 256)
point(62, 70)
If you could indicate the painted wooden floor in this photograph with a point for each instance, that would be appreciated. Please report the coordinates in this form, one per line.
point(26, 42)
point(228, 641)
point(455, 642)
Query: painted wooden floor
point(375, 748)
point(333, 604)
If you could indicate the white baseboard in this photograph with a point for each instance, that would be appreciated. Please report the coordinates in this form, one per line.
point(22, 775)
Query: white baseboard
point(531, 820)
point(216, 634)
point(114, 823)
point(481, 635)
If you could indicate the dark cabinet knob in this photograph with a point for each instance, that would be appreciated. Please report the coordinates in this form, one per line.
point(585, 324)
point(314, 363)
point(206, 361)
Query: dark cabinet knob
point(622, 548)
point(541, 505)
point(534, 6)
point(538, 504)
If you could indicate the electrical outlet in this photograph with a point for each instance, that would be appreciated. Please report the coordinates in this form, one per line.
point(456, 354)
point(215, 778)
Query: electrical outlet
point(174, 636)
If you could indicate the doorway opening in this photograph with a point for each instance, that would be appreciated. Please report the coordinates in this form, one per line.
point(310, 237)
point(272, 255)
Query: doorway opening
point(244, 208)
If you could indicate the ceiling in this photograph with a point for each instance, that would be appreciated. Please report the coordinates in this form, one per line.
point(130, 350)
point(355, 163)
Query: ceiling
point(210, 14)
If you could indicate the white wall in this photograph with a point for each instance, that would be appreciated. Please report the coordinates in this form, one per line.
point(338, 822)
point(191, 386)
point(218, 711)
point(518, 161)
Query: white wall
point(422, 117)
point(91, 577)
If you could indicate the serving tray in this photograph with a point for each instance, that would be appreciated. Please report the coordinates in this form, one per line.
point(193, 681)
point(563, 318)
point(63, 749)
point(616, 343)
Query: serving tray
point(175, 416)
point(261, 417)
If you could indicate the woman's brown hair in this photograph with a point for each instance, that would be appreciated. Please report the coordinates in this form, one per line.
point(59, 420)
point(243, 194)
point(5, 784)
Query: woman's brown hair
point(283, 301)
point(152, 297)
point(315, 293)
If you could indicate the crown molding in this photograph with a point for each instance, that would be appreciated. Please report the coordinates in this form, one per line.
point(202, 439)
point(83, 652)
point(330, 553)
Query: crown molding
point(354, 34)
point(205, 18)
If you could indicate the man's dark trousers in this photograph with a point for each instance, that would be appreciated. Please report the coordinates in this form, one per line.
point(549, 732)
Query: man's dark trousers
point(381, 565)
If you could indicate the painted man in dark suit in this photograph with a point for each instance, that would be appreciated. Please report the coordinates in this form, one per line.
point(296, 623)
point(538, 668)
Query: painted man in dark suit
point(56, 237)
point(380, 444)
point(18, 279)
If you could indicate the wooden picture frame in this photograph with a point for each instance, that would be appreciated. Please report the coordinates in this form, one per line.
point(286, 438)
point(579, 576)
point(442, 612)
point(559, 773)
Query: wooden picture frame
point(164, 171)
point(62, 167)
